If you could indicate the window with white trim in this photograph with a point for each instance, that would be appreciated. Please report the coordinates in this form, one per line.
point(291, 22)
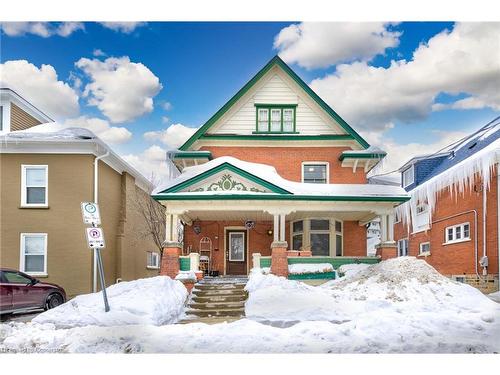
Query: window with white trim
point(34, 253)
point(34, 185)
point(408, 176)
point(315, 172)
point(153, 259)
point(457, 233)
point(319, 233)
point(403, 247)
point(297, 235)
point(322, 236)
point(263, 120)
point(425, 248)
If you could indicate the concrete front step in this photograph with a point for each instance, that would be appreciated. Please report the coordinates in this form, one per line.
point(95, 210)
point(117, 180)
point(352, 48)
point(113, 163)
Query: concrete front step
point(220, 286)
point(217, 305)
point(209, 319)
point(218, 298)
point(219, 292)
point(217, 312)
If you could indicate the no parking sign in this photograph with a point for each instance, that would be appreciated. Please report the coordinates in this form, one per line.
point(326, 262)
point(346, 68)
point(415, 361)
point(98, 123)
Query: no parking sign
point(95, 238)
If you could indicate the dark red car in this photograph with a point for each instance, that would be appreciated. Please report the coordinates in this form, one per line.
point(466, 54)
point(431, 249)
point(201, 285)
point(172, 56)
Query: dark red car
point(20, 292)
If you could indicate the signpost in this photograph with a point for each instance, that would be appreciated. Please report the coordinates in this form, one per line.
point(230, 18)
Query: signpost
point(95, 240)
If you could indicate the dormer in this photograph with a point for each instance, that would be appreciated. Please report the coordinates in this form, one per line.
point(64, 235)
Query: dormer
point(16, 113)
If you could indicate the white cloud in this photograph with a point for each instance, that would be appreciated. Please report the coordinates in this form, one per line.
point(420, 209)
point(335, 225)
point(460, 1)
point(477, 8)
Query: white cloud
point(173, 136)
point(167, 106)
point(98, 52)
point(42, 29)
point(321, 44)
point(41, 87)
point(464, 60)
point(121, 89)
point(152, 163)
point(165, 119)
point(101, 128)
point(123, 27)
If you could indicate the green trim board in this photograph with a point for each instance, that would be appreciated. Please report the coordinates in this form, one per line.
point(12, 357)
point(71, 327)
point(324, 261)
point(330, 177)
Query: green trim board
point(362, 155)
point(193, 155)
point(171, 196)
point(276, 137)
point(276, 60)
point(219, 168)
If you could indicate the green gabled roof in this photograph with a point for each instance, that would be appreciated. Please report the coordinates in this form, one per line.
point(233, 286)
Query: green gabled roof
point(276, 60)
point(221, 167)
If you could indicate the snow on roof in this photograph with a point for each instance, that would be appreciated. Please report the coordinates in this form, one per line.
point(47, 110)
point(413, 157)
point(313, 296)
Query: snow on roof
point(476, 154)
point(369, 150)
point(269, 174)
point(54, 133)
point(386, 179)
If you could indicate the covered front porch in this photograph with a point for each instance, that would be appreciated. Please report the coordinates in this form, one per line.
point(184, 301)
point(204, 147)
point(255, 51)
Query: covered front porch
point(238, 233)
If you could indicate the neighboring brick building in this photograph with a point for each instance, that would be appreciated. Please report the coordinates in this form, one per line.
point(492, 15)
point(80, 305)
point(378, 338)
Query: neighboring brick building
point(275, 171)
point(452, 218)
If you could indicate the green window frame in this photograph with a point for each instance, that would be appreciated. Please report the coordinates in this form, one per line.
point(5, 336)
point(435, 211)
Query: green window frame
point(281, 119)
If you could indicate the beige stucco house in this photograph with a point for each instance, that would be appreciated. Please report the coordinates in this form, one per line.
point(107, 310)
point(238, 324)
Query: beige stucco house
point(43, 179)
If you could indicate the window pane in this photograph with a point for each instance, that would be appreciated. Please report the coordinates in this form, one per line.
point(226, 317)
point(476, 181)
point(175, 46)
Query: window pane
point(320, 224)
point(450, 234)
point(338, 226)
point(320, 244)
point(466, 231)
point(458, 233)
point(338, 245)
point(33, 263)
point(35, 195)
point(236, 247)
point(288, 120)
point(298, 226)
point(35, 176)
point(34, 245)
point(297, 242)
point(315, 173)
point(276, 120)
point(263, 120)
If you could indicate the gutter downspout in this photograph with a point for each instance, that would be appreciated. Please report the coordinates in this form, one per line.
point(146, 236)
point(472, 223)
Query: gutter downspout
point(498, 216)
point(96, 196)
point(485, 269)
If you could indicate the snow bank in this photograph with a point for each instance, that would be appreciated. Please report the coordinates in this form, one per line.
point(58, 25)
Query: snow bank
point(156, 300)
point(402, 285)
point(301, 268)
point(495, 296)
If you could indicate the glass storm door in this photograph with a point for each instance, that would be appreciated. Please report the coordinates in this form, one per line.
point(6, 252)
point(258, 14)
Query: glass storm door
point(236, 252)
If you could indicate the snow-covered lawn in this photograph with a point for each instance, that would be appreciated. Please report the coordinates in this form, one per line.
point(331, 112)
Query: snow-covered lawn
point(397, 306)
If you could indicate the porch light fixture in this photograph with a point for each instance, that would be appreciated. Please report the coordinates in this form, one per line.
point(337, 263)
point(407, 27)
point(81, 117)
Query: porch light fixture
point(270, 232)
point(197, 227)
point(249, 224)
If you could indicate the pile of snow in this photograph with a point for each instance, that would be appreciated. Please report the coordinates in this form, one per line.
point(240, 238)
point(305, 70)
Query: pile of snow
point(403, 285)
point(186, 275)
point(349, 270)
point(156, 300)
point(301, 268)
point(495, 296)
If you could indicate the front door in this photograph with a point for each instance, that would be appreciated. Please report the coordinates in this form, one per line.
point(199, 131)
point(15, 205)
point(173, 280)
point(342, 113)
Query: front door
point(236, 252)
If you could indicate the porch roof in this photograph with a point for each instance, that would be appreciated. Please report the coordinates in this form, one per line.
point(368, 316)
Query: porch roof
point(273, 186)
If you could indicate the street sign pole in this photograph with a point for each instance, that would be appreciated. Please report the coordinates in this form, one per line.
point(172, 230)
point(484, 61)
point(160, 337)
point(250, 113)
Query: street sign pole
point(101, 277)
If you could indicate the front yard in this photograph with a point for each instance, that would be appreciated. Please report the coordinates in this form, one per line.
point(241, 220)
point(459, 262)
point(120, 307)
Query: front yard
point(398, 306)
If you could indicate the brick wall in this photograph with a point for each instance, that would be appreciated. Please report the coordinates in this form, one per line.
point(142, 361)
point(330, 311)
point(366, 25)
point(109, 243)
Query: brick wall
point(458, 259)
point(354, 239)
point(288, 160)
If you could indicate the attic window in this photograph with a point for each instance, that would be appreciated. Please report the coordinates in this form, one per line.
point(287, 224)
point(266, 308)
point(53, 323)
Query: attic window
point(275, 118)
point(408, 176)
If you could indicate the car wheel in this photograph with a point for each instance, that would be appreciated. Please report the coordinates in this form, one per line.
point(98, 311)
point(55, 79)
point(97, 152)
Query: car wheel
point(54, 300)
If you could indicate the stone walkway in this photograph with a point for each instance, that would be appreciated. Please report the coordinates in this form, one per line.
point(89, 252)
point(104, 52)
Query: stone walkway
point(216, 300)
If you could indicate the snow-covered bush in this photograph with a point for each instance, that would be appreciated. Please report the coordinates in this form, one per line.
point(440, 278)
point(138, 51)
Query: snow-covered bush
point(156, 300)
point(302, 268)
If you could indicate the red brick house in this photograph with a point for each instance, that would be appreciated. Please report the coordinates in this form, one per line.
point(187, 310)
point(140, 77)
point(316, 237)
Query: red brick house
point(275, 171)
point(452, 218)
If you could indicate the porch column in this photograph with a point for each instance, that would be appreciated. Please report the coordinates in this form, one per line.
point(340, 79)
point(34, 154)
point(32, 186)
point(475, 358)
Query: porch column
point(171, 247)
point(276, 227)
point(387, 247)
point(282, 228)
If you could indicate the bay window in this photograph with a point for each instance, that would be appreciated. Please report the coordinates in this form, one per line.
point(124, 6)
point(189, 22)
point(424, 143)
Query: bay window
point(322, 236)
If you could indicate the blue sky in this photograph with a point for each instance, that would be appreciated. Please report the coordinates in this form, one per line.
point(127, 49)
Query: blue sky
point(201, 65)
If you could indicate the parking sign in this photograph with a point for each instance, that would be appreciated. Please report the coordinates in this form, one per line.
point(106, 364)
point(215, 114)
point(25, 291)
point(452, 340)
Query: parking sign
point(90, 213)
point(95, 238)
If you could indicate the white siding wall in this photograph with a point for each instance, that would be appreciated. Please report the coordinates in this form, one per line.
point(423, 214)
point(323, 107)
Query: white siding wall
point(276, 88)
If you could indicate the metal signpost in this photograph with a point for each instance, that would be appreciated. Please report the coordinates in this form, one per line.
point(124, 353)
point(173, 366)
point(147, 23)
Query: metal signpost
point(95, 240)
